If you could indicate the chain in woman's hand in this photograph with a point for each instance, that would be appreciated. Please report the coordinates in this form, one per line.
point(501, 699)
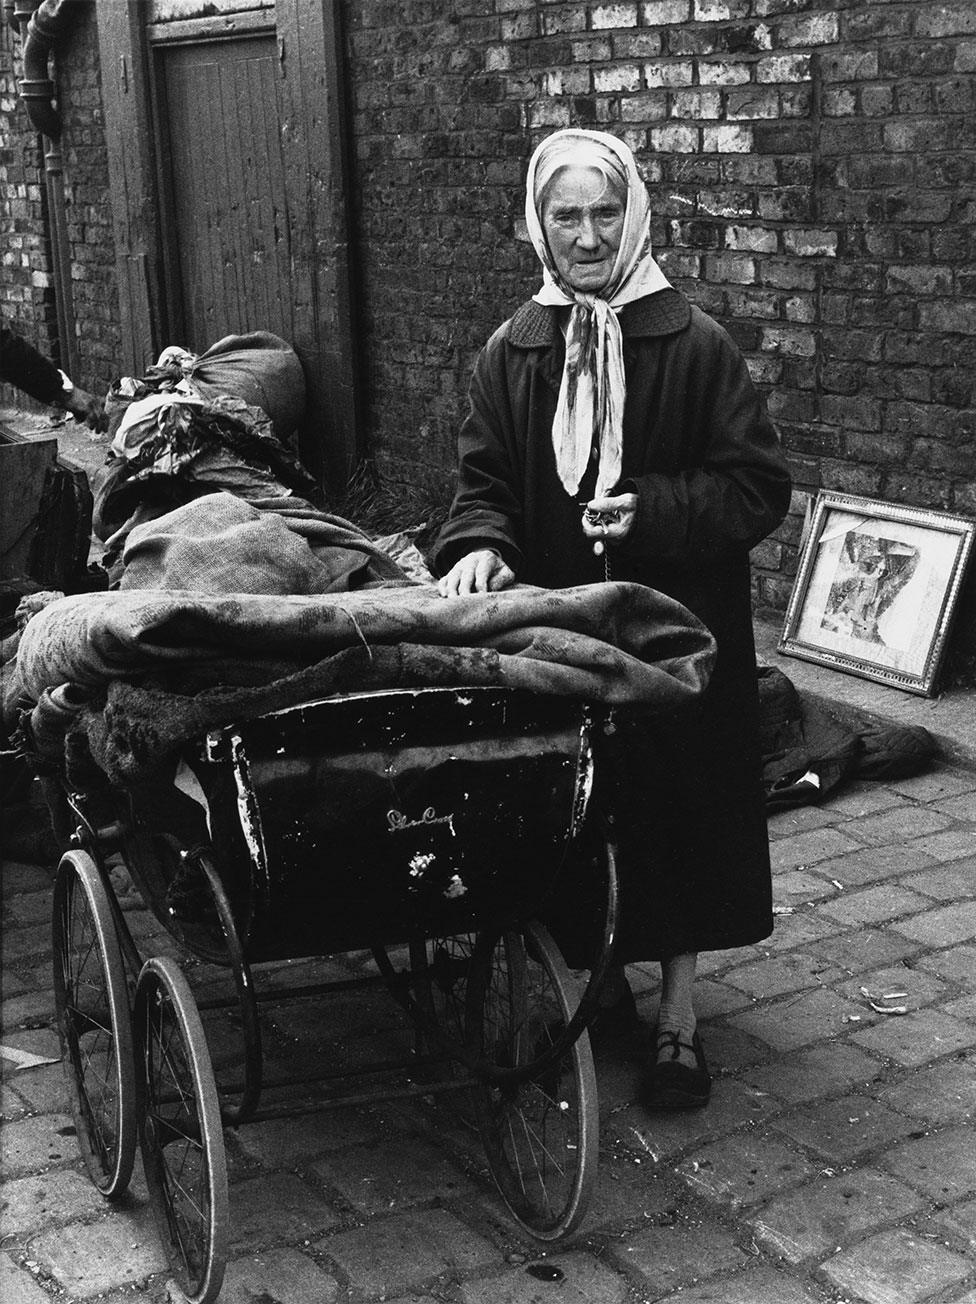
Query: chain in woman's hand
point(601, 520)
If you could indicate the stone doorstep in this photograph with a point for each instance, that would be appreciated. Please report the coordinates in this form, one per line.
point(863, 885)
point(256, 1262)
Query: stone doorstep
point(861, 703)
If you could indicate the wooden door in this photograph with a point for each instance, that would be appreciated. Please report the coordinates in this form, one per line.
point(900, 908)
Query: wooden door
point(227, 164)
point(224, 191)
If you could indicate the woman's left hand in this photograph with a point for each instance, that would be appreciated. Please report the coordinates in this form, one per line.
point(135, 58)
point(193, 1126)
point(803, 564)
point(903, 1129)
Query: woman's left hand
point(610, 518)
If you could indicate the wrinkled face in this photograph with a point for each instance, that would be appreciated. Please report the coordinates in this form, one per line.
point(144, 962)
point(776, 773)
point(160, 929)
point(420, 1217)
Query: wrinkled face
point(583, 220)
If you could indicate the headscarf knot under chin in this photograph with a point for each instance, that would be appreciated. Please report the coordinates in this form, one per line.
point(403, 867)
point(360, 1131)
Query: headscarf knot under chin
point(593, 390)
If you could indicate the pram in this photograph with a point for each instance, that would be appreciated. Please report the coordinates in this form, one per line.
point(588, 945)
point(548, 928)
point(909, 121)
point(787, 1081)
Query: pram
point(424, 826)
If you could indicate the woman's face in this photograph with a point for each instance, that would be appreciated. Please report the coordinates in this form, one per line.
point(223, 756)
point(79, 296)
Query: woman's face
point(583, 220)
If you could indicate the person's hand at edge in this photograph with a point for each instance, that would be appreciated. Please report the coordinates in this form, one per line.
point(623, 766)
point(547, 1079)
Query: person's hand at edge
point(86, 407)
point(477, 572)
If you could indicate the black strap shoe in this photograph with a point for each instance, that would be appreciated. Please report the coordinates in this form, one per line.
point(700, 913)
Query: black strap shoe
point(669, 1084)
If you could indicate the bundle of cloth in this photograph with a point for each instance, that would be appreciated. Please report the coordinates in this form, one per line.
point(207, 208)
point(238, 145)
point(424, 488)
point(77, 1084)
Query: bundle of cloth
point(232, 593)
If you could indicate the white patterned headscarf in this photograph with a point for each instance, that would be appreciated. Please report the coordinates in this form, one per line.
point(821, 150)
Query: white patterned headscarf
point(590, 409)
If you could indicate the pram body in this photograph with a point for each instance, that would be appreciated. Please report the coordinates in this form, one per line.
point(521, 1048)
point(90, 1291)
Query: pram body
point(427, 823)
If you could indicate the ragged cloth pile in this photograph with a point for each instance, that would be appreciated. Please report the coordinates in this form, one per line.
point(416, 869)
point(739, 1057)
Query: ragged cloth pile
point(233, 594)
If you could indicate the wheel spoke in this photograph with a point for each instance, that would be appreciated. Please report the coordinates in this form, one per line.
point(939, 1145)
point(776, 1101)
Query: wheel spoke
point(94, 1022)
point(539, 1131)
point(182, 1146)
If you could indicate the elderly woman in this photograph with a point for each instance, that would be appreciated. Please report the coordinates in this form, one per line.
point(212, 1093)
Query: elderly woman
point(614, 432)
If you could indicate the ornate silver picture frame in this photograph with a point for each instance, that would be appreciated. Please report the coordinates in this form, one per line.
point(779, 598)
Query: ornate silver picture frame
point(875, 589)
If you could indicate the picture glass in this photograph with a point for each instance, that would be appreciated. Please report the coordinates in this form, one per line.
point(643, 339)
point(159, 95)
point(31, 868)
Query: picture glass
point(876, 590)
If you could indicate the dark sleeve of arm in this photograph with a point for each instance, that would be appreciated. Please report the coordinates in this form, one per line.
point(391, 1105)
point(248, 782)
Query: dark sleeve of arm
point(736, 488)
point(23, 366)
point(487, 507)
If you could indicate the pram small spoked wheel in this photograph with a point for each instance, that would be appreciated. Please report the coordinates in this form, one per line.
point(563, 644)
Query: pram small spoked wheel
point(539, 1125)
point(94, 1023)
point(182, 1141)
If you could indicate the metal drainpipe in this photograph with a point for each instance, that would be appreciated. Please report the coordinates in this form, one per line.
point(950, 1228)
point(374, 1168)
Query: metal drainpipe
point(47, 26)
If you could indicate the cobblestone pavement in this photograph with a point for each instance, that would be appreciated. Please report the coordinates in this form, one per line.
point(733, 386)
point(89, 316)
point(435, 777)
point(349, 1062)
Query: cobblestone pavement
point(836, 1161)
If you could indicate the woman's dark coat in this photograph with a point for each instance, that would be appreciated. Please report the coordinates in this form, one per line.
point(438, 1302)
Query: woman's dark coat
point(705, 462)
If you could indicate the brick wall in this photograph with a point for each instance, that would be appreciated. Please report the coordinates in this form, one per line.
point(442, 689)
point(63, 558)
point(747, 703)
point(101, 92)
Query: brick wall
point(27, 295)
point(813, 173)
point(812, 165)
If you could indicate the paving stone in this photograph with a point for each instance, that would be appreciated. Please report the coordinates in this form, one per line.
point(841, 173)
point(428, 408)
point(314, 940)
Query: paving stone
point(759, 1285)
point(12, 1106)
point(33, 907)
point(797, 1021)
point(25, 943)
point(781, 974)
point(953, 844)
point(713, 998)
point(822, 1217)
point(798, 819)
point(277, 1206)
point(958, 964)
point(961, 1219)
point(628, 1189)
point(960, 807)
point(944, 926)
point(680, 1254)
point(743, 1169)
point(821, 1071)
point(809, 848)
point(938, 1093)
point(44, 1088)
point(844, 1128)
point(943, 1164)
point(18, 878)
point(798, 887)
point(30, 1203)
point(949, 882)
point(89, 1258)
point(394, 1254)
point(29, 1007)
point(900, 824)
point(872, 864)
point(934, 784)
point(917, 1038)
point(400, 1172)
point(285, 1143)
point(17, 1286)
point(795, 931)
point(918, 989)
point(656, 1136)
point(729, 1049)
point(285, 1276)
point(37, 1143)
point(896, 1267)
point(964, 1007)
point(14, 984)
point(583, 1280)
point(865, 949)
point(872, 905)
point(855, 799)
point(43, 1043)
point(714, 962)
point(619, 1072)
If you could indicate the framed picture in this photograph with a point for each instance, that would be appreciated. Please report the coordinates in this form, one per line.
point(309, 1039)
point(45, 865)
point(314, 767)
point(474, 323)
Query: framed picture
point(876, 588)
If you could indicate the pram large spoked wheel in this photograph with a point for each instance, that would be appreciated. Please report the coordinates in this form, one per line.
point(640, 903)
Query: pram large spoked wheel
point(94, 1022)
point(537, 1113)
point(182, 1141)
